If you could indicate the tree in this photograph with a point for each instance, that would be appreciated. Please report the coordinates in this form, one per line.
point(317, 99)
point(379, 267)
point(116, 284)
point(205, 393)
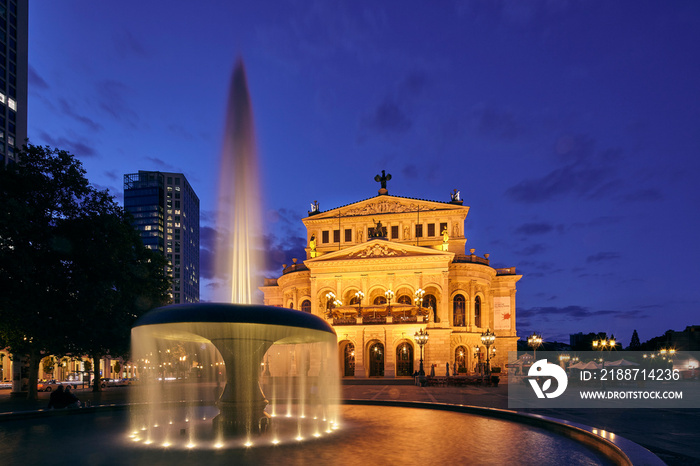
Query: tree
point(113, 278)
point(44, 187)
point(74, 274)
point(635, 345)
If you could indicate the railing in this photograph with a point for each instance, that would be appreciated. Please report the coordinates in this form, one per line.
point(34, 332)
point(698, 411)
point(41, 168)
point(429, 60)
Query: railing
point(406, 319)
point(472, 258)
point(374, 319)
point(344, 321)
point(294, 268)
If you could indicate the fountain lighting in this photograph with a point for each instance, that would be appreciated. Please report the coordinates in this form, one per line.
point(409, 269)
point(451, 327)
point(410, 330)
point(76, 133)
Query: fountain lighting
point(227, 346)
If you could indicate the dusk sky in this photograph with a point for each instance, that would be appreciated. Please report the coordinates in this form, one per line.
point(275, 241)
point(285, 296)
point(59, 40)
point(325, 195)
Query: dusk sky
point(572, 129)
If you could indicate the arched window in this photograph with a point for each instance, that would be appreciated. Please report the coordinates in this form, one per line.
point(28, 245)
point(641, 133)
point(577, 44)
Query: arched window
point(349, 366)
point(461, 359)
point(290, 305)
point(354, 300)
point(404, 299)
point(404, 360)
point(458, 311)
point(306, 306)
point(376, 360)
point(477, 311)
point(430, 302)
point(379, 300)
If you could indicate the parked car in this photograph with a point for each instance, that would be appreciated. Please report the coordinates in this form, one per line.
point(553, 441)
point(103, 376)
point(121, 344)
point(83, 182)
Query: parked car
point(47, 386)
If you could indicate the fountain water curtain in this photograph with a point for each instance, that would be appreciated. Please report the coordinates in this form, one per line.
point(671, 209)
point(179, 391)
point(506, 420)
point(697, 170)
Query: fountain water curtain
point(195, 358)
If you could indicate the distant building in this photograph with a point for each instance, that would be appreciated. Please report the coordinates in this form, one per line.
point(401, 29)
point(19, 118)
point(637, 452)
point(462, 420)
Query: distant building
point(381, 269)
point(687, 340)
point(166, 214)
point(13, 77)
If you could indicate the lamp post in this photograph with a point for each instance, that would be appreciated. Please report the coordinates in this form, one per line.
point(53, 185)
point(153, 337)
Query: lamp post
point(477, 357)
point(418, 299)
point(534, 341)
point(563, 360)
point(421, 338)
point(602, 343)
point(389, 295)
point(330, 298)
point(488, 339)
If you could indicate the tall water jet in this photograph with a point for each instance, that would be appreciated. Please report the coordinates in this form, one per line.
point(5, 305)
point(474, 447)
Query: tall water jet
point(238, 251)
point(232, 339)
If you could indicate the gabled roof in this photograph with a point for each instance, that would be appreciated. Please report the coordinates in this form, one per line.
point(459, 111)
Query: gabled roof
point(381, 204)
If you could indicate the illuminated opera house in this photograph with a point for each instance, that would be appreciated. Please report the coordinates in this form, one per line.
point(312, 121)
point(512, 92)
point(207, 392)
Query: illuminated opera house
point(382, 269)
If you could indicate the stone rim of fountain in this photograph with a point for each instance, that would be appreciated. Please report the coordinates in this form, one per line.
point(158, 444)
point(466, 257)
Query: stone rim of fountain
point(224, 312)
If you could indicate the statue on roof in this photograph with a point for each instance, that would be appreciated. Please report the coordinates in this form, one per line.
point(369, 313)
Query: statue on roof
point(312, 246)
point(383, 179)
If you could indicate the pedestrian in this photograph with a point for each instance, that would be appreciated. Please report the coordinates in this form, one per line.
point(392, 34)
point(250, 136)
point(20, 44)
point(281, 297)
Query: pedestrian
point(71, 400)
point(57, 399)
point(432, 370)
point(447, 369)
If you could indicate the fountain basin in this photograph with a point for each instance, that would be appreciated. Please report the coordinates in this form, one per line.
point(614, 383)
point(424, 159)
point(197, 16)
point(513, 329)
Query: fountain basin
point(369, 434)
point(242, 336)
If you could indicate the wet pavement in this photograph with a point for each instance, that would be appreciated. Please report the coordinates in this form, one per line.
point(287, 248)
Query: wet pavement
point(671, 434)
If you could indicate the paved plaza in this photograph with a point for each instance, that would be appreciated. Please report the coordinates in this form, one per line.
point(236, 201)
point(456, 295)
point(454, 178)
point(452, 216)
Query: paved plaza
point(670, 434)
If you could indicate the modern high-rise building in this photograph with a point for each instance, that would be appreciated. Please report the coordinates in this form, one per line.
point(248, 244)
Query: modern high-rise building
point(166, 214)
point(14, 28)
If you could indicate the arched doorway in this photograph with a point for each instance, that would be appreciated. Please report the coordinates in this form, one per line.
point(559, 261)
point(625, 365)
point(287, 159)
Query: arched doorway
point(376, 360)
point(461, 359)
point(306, 305)
point(404, 360)
point(349, 360)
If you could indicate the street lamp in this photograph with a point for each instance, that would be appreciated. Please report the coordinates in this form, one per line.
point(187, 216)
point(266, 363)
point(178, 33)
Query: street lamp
point(421, 338)
point(534, 341)
point(330, 298)
point(360, 296)
point(488, 339)
point(602, 342)
point(389, 295)
point(563, 360)
point(418, 299)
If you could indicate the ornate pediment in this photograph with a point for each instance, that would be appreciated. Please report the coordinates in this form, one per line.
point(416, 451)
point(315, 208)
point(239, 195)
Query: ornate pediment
point(377, 250)
point(386, 206)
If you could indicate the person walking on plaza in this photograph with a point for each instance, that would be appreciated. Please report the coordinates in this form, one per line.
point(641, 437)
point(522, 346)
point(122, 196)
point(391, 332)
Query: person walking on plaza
point(447, 369)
